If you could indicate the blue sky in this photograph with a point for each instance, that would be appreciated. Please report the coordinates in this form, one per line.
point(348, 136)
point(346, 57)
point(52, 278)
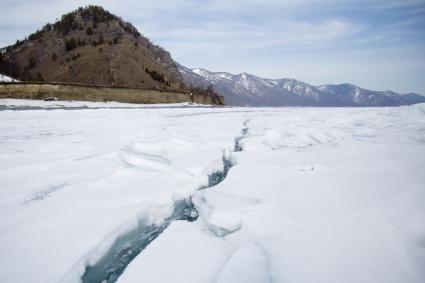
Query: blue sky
point(377, 44)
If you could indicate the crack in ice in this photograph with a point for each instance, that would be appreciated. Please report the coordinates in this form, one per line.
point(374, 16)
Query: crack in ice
point(127, 246)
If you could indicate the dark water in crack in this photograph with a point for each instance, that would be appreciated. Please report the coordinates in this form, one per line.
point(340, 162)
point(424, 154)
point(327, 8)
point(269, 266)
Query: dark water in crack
point(127, 246)
point(217, 177)
point(238, 139)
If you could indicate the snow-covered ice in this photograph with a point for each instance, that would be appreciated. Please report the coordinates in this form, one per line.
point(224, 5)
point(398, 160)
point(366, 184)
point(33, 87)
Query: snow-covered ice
point(24, 104)
point(313, 194)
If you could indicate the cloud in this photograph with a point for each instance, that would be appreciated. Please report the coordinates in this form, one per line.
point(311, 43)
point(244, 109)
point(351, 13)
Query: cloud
point(225, 36)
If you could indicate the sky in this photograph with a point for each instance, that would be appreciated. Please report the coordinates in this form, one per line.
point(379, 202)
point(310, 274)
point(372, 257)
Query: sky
point(377, 45)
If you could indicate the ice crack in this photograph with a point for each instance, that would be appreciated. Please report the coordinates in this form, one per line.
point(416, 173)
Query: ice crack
point(238, 139)
point(127, 246)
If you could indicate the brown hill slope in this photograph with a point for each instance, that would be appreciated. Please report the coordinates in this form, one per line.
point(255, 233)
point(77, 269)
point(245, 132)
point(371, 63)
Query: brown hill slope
point(91, 46)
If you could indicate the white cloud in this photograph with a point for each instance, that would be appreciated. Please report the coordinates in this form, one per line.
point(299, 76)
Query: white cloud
point(224, 36)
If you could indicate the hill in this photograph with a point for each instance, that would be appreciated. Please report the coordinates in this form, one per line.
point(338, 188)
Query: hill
point(94, 47)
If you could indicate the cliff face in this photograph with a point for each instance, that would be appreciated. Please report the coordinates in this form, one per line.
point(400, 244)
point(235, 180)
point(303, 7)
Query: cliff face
point(91, 46)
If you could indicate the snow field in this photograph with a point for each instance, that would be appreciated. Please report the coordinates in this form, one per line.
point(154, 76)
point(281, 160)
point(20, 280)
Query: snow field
point(314, 195)
point(339, 200)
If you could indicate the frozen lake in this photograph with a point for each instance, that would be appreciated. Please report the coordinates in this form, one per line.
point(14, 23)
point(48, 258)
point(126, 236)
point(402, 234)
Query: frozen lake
point(183, 193)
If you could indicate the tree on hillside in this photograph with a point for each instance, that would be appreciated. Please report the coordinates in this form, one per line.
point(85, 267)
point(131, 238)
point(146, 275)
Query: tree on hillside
point(36, 36)
point(210, 89)
point(70, 44)
point(31, 62)
point(101, 40)
point(40, 77)
point(65, 24)
point(89, 31)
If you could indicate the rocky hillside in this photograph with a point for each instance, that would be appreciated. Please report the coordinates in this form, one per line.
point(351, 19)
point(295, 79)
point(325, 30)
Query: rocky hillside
point(249, 90)
point(91, 46)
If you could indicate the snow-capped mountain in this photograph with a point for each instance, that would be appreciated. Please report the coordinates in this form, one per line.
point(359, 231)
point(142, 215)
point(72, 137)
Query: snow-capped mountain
point(249, 90)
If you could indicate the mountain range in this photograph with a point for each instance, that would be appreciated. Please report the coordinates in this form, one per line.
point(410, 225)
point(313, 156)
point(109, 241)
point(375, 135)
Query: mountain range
point(249, 90)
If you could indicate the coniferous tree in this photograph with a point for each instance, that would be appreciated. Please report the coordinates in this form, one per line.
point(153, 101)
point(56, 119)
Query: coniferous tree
point(89, 31)
point(32, 62)
point(70, 44)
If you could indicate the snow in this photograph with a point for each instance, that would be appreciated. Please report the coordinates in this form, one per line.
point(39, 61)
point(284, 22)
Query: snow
point(4, 78)
point(205, 74)
point(211, 76)
point(248, 264)
point(180, 260)
point(27, 104)
point(133, 164)
point(274, 82)
point(316, 194)
point(246, 83)
point(226, 76)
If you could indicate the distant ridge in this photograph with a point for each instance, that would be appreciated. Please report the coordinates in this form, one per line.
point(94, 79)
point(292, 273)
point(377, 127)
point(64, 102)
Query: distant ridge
point(249, 90)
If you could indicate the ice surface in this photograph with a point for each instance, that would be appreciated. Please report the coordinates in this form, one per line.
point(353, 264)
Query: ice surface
point(120, 165)
point(248, 264)
point(314, 194)
point(182, 257)
point(26, 104)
